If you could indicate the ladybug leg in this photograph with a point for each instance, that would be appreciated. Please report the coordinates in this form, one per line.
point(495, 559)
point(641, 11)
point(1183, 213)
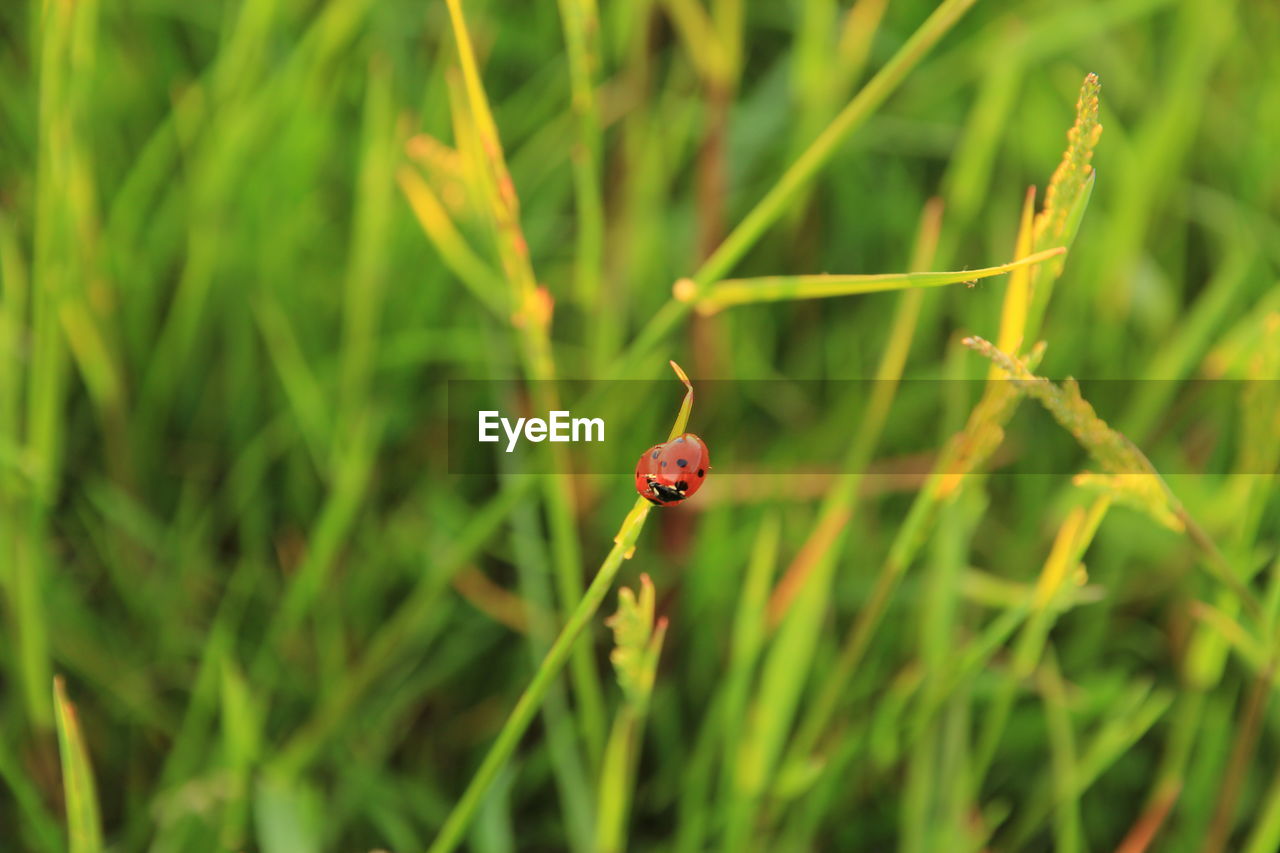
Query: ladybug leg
point(666, 493)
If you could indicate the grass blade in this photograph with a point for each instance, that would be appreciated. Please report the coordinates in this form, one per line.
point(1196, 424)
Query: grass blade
point(745, 291)
point(84, 824)
point(624, 546)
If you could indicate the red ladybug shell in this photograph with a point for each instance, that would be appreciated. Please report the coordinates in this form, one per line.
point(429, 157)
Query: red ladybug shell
point(669, 473)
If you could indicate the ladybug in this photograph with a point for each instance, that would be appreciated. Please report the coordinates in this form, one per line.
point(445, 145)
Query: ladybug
point(668, 473)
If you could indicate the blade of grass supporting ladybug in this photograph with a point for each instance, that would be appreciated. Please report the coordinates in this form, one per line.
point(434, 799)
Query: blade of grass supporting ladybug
point(746, 291)
point(686, 405)
point(531, 323)
point(84, 825)
point(464, 810)
point(777, 201)
point(624, 545)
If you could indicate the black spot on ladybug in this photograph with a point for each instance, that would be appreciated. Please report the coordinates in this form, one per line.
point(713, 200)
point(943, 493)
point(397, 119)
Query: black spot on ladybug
point(682, 486)
point(701, 472)
point(682, 462)
point(664, 463)
point(655, 453)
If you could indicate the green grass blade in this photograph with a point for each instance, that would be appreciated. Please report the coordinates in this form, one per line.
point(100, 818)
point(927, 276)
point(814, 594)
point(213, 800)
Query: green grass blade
point(84, 822)
point(746, 291)
point(624, 546)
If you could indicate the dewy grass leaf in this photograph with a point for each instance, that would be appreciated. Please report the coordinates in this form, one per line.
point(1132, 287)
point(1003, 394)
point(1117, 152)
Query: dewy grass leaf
point(742, 291)
point(84, 825)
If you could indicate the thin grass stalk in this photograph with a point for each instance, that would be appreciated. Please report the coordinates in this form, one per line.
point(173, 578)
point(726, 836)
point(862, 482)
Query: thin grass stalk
point(1074, 536)
point(508, 737)
point(838, 504)
point(62, 197)
point(745, 291)
point(580, 22)
point(1068, 833)
point(572, 777)
point(531, 322)
point(933, 792)
point(750, 628)
point(1243, 745)
point(624, 544)
point(84, 823)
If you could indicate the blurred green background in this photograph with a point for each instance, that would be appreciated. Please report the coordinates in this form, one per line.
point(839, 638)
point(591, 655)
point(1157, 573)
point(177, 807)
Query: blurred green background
point(244, 245)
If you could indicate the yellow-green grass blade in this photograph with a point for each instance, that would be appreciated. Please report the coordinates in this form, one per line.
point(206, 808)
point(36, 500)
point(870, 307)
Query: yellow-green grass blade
point(84, 823)
point(624, 546)
point(746, 291)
